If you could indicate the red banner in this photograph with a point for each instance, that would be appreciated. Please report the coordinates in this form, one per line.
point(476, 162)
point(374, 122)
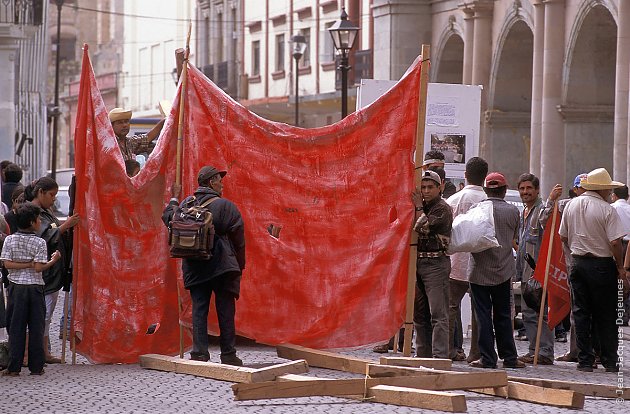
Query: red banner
point(558, 291)
point(335, 276)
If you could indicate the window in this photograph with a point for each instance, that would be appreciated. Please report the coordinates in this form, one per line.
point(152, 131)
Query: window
point(305, 62)
point(327, 52)
point(279, 53)
point(256, 58)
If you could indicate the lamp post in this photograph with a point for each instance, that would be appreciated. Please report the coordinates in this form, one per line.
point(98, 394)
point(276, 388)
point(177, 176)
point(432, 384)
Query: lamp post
point(57, 112)
point(299, 47)
point(343, 34)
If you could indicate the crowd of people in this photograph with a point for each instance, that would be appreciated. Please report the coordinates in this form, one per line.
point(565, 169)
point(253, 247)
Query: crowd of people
point(595, 237)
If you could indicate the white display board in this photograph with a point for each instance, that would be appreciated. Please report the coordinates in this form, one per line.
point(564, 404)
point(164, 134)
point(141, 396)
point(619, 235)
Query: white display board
point(453, 120)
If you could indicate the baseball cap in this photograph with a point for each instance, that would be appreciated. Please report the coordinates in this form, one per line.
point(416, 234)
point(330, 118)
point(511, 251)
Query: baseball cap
point(495, 180)
point(432, 175)
point(578, 178)
point(207, 172)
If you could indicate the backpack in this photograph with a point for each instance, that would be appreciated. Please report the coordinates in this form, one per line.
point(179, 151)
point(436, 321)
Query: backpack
point(191, 231)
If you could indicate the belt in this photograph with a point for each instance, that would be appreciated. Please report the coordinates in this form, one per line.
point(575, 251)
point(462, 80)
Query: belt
point(591, 256)
point(422, 255)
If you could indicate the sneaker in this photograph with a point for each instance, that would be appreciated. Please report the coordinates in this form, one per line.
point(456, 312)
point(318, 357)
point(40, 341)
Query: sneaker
point(231, 359)
point(567, 358)
point(479, 364)
point(515, 365)
point(585, 368)
point(381, 349)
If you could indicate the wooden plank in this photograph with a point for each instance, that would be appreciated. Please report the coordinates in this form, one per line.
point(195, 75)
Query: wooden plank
point(286, 388)
point(408, 397)
point(272, 372)
point(324, 359)
point(220, 371)
point(535, 394)
point(594, 390)
point(437, 363)
point(445, 380)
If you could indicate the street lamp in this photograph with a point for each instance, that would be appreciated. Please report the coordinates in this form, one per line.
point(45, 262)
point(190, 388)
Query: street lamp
point(53, 166)
point(299, 47)
point(343, 34)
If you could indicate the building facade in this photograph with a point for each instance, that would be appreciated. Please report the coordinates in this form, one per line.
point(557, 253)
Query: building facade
point(251, 39)
point(555, 75)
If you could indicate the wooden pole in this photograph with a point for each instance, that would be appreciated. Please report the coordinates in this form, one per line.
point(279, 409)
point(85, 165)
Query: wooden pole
point(64, 334)
point(413, 253)
point(178, 171)
point(541, 313)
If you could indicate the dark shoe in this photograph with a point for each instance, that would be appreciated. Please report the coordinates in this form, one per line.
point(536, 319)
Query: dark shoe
point(459, 356)
point(381, 349)
point(7, 373)
point(561, 337)
point(614, 368)
point(520, 337)
point(196, 356)
point(479, 364)
point(38, 373)
point(567, 358)
point(584, 368)
point(543, 360)
point(231, 359)
point(515, 365)
point(527, 358)
point(472, 358)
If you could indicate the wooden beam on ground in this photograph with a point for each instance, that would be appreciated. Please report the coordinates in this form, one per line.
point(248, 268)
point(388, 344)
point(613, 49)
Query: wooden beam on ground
point(437, 363)
point(408, 397)
point(286, 387)
point(324, 359)
point(535, 394)
point(593, 390)
point(220, 371)
point(444, 380)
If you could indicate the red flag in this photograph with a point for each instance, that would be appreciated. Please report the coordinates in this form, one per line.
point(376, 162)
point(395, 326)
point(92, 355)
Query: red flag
point(336, 275)
point(558, 293)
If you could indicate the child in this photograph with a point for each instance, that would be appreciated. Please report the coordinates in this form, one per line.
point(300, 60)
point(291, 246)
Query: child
point(24, 255)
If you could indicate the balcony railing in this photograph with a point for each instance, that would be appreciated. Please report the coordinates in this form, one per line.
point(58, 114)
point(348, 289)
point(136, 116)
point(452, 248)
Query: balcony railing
point(22, 12)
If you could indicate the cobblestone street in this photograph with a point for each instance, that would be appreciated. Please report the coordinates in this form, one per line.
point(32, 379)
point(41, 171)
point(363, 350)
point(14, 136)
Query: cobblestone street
point(87, 388)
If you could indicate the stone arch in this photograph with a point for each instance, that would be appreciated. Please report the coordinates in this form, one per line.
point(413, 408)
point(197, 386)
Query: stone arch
point(589, 88)
point(448, 67)
point(508, 118)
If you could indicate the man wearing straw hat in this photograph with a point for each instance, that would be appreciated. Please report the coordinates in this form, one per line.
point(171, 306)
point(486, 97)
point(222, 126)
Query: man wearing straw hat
point(137, 144)
point(592, 229)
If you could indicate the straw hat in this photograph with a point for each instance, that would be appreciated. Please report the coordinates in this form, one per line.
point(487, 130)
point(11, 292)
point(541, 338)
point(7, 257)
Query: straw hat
point(118, 114)
point(599, 179)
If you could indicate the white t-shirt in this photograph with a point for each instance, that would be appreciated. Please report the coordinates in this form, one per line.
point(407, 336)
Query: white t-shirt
point(623, 209)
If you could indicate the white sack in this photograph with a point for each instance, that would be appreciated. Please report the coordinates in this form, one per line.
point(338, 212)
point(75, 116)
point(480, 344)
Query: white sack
point(474, 230)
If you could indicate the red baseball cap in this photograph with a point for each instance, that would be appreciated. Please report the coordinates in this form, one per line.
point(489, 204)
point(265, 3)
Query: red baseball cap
point(495, 180)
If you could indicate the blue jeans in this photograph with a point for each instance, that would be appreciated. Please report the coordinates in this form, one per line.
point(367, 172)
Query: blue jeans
point(492, 310)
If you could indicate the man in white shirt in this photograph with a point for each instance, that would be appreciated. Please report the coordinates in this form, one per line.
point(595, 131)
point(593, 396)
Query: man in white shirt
point(461, 202)
point(619, 198)
point(593, 231)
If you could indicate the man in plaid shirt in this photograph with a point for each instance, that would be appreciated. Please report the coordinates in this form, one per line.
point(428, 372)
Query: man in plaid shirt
point(137, 144)
point(25, 256)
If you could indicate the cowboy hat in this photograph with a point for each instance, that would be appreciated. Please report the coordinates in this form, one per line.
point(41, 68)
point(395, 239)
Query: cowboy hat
point(599, 179)
point(118, 114)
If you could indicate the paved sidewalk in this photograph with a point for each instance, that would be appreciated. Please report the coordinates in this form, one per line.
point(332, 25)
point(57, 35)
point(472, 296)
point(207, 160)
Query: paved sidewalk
point(87, 388)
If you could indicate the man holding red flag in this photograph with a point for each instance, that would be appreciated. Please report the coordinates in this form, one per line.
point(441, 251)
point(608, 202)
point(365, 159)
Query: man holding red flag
point(593, 231)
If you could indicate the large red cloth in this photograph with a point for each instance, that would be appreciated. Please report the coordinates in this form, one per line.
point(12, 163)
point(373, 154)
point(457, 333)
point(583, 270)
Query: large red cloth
point(558, 293)
point(335, 277)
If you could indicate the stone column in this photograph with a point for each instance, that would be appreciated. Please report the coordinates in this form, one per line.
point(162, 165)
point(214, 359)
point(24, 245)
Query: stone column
point(481, 60)
point(552, 165)
point(620, 145)
point(9, 36)
point(537, 85)
point(469, 27)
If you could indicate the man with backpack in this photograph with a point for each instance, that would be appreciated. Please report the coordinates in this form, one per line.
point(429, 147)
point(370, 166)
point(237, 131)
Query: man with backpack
point(221, 272)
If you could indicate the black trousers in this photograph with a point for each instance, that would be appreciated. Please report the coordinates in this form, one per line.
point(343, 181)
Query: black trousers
point(26, 308)
point(492, 309)
point(594, 290)
point(225, 304)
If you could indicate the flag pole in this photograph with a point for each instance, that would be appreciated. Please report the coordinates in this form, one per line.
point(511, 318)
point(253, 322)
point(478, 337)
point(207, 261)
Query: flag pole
point(541, 312)
point(413, 253)
point(178, 171)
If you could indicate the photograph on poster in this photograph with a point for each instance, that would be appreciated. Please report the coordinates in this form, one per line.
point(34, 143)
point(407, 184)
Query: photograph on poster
point(453, 146)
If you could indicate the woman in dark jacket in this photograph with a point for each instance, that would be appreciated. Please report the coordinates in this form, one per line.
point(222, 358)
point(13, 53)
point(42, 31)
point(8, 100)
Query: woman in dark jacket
point(43, 193)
